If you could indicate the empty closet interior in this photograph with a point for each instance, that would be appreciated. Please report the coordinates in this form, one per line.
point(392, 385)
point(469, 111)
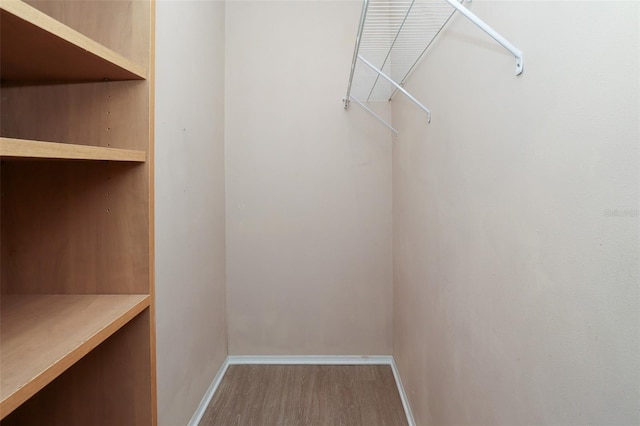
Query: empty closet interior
point(448, 187)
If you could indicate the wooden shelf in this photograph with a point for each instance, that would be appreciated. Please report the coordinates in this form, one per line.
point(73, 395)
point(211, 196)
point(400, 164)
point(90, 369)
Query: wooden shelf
point(27, 149)
point(36, 47)
point(43, 335)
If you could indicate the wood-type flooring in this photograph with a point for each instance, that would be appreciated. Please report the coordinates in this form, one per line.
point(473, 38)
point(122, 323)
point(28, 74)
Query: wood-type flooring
point(319, 395)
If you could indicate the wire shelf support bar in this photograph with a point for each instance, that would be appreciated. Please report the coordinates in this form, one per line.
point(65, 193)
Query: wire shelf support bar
point(517, 53)
point(397, 86)
point(395, 39)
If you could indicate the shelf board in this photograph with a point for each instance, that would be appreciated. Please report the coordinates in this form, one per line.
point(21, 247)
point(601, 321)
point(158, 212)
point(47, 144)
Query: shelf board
point(36, 47)
point(18, 149)
point(42, 335)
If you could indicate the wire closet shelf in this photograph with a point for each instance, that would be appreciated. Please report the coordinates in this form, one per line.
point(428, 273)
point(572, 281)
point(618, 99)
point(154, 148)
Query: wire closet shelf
point(393, 35)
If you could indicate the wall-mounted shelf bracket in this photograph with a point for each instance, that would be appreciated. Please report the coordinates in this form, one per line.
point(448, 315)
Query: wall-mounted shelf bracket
point(517, 53)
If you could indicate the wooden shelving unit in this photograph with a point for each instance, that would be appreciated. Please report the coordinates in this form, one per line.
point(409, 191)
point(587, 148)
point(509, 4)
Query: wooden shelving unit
point(77, 338)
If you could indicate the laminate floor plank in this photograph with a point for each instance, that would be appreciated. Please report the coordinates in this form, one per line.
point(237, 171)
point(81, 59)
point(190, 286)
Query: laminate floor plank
point(295, 395)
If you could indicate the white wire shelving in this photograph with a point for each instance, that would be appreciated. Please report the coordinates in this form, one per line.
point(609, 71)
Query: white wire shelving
point(393, 35)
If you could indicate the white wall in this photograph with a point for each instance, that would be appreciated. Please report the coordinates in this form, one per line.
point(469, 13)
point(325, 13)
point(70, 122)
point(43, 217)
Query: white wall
point(190, 252)
point(516, 220)
point(309, 261)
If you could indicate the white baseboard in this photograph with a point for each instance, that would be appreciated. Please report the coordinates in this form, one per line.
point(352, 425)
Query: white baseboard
point(403, 395)
point(206, 399)
point(298, 360)
point(311, 359)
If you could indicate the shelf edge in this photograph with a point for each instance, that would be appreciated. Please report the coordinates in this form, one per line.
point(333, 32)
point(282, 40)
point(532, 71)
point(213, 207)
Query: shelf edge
point(11, 148)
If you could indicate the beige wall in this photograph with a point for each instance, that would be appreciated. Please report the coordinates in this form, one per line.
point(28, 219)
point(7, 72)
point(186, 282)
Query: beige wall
point(190, 253)
point(516, 280)
point(309, 261)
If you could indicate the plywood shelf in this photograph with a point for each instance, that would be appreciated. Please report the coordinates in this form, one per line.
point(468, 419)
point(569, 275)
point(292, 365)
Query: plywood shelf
point(43, 335)
point(36, 47)
point(27, 149)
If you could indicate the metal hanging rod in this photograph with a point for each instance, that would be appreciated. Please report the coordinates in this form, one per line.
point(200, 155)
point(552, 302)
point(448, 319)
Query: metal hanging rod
point(393, 36)
point(380, 119)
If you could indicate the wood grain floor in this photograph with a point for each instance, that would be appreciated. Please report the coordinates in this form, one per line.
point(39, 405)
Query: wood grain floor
point(340, 395)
